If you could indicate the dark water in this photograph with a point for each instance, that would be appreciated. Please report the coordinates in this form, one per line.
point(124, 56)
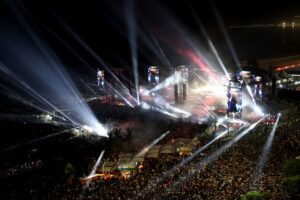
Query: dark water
point(259, 43)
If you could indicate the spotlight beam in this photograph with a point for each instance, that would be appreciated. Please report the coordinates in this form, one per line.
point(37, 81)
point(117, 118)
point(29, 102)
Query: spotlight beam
point(207, 108)
point(167, 82)
point(88, 49)
point(200, 78)
point(183, 162)
point(251, 94)
point(68, 47)
point(162, 103)
point(12, 94)
point(225, 34)
point(86, 64)
point(24, 86)
point(86, 186)
point(266, 152)
point(157, 108)
point(37, 140)
point(147, 148)
point(186, 160)
point(154, 48)
point(211, 45)
point(85, 84)
point(131, 24)
point(167, 61)
point(118, 93)
point(216, 154)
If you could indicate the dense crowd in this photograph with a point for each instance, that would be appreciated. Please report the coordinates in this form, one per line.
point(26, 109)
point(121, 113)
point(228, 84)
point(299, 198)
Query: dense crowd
point(228, 177)
point(14, 171)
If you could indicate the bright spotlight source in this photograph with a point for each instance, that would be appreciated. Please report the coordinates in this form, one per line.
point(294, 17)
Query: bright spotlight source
point(101, 130)
point(258, 110)
point(87, 128)
point(48, 117)
point(98, 130)
point(145, 106)
point(220, 121)
point(283, 24)
point(45, 117)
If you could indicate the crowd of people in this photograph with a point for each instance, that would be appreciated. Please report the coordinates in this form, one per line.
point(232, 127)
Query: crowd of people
point(14, 171)
point(227, 177)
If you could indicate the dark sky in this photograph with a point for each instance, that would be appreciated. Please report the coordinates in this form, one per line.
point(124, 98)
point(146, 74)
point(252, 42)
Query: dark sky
point(102, 24)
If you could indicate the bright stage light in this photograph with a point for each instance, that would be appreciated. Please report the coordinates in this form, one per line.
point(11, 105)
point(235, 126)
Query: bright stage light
point(279, 114)
point(45, 117)
point(101, 130)
point(87, 128)
point(98, 130)
point(258, 110)
point(145, 106)
point(214, 90)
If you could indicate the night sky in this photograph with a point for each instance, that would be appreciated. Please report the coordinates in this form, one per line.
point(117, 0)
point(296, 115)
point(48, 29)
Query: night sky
point(103, 27)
